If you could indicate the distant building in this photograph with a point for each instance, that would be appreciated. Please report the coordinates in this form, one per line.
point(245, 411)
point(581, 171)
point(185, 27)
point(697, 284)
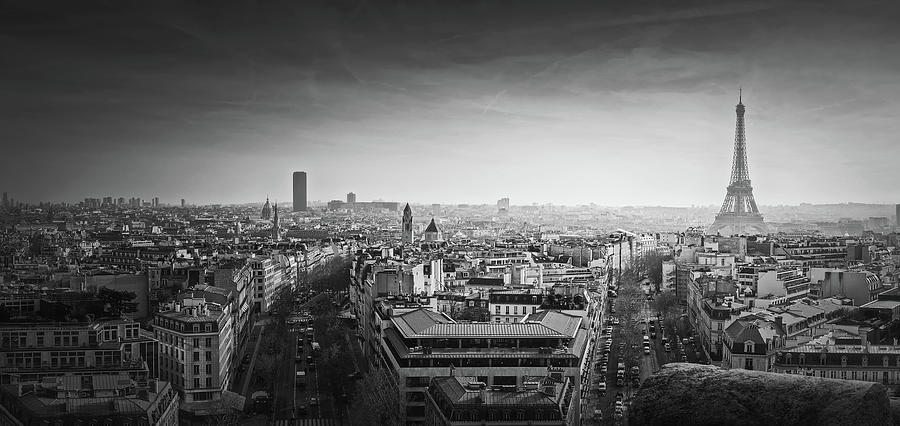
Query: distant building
point(299, 191)
point(503, 206)
point(351, 199)
point(155, 202)
point(406, 236)
point(182, 201)
point(6, 201)
point(432, 233)
point(266, 210)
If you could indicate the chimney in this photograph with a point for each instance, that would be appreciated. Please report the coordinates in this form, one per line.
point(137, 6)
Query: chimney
point(779, 321)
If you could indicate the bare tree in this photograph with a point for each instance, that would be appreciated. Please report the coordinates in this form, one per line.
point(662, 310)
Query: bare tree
point(377, 400)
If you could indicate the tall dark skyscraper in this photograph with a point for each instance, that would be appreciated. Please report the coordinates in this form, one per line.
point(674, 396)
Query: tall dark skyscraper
point(897, 215)
point(6, 200)
point(299, 191)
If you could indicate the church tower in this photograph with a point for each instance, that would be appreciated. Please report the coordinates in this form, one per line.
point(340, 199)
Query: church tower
point(266, 210)
point(407, 236)
point(276, 229)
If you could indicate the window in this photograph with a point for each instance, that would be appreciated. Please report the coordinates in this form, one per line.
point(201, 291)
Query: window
point(208, 368)
point(208, 342)
point(748, 347)
point(196, 382)
point(507, 309)
point(196, 342)
point(196, 369)
point(497, 309)
point(844, 362)
point(209, 382)
point(196, 356)
point(748, 363)
point(208, 356)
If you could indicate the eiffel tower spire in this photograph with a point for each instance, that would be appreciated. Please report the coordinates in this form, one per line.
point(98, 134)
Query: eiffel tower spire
point(739, 214)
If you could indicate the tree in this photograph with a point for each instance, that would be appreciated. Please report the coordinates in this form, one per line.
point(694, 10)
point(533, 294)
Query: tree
point(117, 302)
point(473, 313)
point(377, 400)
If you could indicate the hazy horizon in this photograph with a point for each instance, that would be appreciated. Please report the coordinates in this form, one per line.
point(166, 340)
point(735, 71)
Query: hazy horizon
point(590, 102)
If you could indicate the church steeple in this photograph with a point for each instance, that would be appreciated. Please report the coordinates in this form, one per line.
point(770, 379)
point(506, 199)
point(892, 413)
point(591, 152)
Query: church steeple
point(276, 229)
point(406, 237)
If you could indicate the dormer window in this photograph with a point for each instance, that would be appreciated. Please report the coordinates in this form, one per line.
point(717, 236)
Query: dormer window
point(865, 361)
point(748, 347)
point(844, 361)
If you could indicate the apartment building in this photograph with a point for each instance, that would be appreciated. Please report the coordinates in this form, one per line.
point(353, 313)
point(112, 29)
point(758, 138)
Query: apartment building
point(90, 399)
point(513, 305)
point(272, 275)
point(196, 339)
point(34, 350)
point(751, 342)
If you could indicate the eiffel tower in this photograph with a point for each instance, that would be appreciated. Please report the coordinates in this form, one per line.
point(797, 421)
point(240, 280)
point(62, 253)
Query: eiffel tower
point(739, 214)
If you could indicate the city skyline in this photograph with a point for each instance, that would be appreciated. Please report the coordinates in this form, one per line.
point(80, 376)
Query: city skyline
point(546, 106)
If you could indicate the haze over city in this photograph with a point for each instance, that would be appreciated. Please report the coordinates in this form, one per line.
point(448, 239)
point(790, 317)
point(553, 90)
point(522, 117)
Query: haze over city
point(449, 103)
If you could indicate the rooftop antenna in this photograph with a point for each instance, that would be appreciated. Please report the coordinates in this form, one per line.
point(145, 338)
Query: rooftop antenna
point(740, 94)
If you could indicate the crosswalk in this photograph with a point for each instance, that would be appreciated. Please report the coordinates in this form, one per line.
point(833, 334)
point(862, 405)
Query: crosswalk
point(307, 422)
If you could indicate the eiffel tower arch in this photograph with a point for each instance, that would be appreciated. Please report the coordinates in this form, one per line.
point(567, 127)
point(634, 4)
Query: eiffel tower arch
point(739, 214)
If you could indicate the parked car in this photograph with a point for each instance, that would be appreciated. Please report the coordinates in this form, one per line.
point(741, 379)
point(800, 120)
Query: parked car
point(646, 350)
point(601, 388)
point(668, 348)
point(245, 359)
point(598, 415)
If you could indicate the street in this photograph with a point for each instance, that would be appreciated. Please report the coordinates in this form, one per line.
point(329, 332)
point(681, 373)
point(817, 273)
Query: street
point(607, 356)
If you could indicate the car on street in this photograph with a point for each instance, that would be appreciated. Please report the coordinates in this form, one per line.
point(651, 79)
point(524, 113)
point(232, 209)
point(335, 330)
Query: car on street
point(601, 388)
point(646, 350)
point(313, 401)
point(668, 348)
point(598, 415)
point(684, 358)
point(246, 359)
point(620, 396)
point(311, 366)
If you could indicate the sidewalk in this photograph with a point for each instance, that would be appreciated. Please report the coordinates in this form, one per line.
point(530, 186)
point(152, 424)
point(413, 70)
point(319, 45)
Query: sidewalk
point(255, 338)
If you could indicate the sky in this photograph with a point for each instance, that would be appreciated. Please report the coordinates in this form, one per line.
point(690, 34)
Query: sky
point(613, 103)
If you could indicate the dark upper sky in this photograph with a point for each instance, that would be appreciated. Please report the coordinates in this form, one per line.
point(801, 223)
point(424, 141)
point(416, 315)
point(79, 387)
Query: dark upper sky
point(457, 101)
